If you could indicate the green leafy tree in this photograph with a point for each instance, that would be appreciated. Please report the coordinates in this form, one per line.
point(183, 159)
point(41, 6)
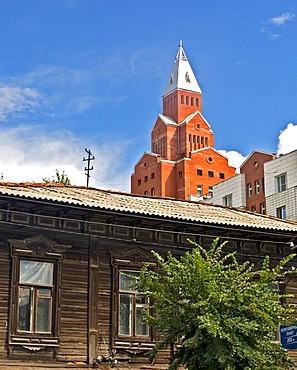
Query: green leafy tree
point(59, 178)
point(222, 313)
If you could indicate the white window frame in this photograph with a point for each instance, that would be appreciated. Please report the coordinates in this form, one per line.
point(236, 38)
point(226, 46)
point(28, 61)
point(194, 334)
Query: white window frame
point(199, 190)
point(257, 186)
point(249, 189)
point(281, 212)
point(227, 200)
point(281, 182)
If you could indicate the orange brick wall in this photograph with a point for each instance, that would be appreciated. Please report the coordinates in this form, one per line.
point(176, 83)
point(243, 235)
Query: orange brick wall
point(142, 181)
point(178, 111)
point(207, 160)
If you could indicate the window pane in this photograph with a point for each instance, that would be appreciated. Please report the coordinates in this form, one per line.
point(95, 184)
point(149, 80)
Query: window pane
point(125, 314)
point(127, 282)
point(43, 314)
point(141, 327)
point(36, 272)
point(24, 312)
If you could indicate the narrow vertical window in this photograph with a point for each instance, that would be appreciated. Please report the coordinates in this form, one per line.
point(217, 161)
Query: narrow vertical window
point(262, 208)
point(182, 99)
point(199, 190)
point(249, 190)
point(192, 101)
point(257, 187)
point(281, 183)
point(227, 200)
point(281, 212)
point(210, 191)
point(187, 100)
point(197, 102)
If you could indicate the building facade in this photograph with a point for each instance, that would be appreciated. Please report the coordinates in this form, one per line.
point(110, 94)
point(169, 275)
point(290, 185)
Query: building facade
point(281, 186)
point(183, 161)
point(247, 189)
point(65, 253)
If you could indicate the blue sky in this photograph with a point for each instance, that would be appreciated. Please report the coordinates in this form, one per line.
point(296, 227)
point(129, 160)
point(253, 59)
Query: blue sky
point(78, 74)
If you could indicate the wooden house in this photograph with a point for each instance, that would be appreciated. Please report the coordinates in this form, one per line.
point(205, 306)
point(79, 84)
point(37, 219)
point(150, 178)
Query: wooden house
point(63, 301)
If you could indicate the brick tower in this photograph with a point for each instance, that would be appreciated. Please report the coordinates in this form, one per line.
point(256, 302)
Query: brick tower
point(182, 162)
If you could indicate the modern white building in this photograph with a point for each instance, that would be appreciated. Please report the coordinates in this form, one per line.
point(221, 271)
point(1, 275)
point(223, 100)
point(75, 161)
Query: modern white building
point(281, 186)
point(230, 192)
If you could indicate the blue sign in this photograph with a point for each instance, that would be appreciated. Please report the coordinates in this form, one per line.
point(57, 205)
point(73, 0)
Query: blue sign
point(288, 336)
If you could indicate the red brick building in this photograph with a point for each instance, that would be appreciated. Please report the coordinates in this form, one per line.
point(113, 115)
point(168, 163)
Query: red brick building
point(253, 168)
point(182, 161)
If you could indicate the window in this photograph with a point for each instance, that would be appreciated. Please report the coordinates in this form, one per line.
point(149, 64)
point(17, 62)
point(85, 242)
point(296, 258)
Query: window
point(206, 141)
point(152, 191)
point(145, 193)
point(199, 190)
point(210, 191)
point(222, 175)
point(36, 281)
point(227, 200)
point(35, 296)
point(199, 172)
point(249, 190)
point(254, 209)
point(192, 101)
point(202, 140)
point(129, 329)
point(210, 174)
point(281, 183)
point(139, 182)
point(152, 175)
point(281, 212)
point(187, 100)
point(190, 138)
point(197, 102)
point(145, 178)
point(182, 99)
point(257, 187)
point(262, 208)
point(131, 303)
point(180, 174)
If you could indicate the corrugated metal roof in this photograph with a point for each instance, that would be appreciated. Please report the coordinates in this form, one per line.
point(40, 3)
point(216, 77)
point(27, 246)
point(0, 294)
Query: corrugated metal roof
point(143, 205)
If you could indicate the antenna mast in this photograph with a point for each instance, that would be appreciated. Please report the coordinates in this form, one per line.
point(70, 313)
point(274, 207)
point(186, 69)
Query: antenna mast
point(88, 168)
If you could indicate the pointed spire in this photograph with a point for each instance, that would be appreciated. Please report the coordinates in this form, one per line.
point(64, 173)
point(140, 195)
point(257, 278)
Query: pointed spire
point(181, 76)
point(181, 53)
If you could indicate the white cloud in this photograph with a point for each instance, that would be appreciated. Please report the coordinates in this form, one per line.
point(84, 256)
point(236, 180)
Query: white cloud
point(28, 153)
point(235, 159)
point(280, 20)
point(17, 99)
point(287, 140)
